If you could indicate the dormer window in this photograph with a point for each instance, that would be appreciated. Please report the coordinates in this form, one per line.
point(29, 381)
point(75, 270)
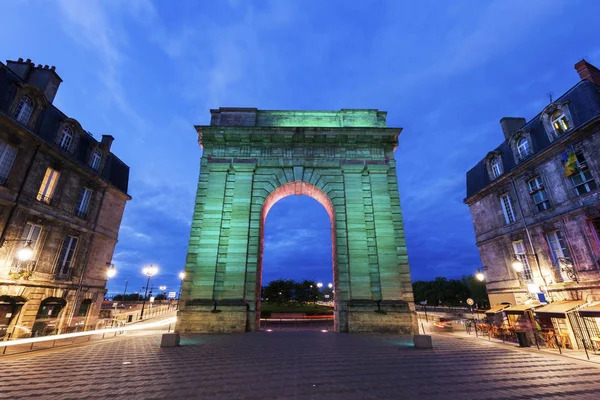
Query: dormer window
point(66, 138)
point(560, 123)
point(496, 167)
point(24, 109)
point(96, 160)
point(523, 148)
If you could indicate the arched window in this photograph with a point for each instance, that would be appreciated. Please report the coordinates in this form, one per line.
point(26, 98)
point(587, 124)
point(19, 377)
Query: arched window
point(96, 159)
point(523, 148)
point(560, 123)
point(66, 138)
point(24, 110)
point(84, 308)
point(496, 167)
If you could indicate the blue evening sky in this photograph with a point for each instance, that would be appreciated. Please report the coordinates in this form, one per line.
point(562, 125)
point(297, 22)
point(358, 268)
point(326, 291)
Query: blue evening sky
point(445, 71)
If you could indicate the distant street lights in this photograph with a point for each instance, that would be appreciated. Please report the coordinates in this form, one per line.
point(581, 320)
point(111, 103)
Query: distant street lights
point(149, 271)
point(181, 278)
point(319, 285)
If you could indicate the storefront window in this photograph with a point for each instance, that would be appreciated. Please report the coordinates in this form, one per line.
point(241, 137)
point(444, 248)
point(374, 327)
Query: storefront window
point(46, 322)
point(84, 308)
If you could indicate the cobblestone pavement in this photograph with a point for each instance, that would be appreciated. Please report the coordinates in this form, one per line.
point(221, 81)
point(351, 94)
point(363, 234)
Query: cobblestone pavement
point(295, 365)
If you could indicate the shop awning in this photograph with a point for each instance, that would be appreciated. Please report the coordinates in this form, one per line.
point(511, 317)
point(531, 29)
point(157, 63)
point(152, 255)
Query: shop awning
point(558, 309)
point(591, 311)
point(521, 308)
point(496, 309)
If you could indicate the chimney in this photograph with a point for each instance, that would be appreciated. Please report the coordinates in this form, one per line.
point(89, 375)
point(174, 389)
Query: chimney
point(588, 71)
point(43, 77)
point(511, 124)
point(107, 141)
point(19, 67)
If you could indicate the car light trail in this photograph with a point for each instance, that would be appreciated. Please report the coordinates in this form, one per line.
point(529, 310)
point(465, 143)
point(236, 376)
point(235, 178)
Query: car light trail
point(136, 327)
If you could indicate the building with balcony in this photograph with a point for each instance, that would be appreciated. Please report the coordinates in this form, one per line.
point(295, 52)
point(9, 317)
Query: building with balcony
point(535, 205)
point(62, 197)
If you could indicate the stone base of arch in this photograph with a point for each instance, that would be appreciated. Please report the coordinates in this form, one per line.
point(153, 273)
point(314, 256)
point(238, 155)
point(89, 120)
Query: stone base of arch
point(389, 316)
point(356, 316)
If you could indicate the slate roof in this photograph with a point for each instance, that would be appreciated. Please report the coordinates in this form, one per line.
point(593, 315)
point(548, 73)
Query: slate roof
point(115, 171)
point(584, 105)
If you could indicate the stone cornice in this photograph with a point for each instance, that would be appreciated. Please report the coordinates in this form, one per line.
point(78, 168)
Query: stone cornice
point(346, 135)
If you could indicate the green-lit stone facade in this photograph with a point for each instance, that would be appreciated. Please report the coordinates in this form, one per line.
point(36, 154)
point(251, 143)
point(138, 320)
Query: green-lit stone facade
point(251, 159)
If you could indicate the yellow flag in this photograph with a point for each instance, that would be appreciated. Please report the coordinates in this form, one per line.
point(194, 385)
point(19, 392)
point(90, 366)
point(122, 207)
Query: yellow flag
point(571, 164)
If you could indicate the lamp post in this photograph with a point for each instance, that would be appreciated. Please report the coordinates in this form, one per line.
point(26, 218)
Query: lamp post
point(319, 285)
point(518, 267)
point(149, 271)
point(25, 253)
point(111, 271)
point(181, 278)
point(479, 275)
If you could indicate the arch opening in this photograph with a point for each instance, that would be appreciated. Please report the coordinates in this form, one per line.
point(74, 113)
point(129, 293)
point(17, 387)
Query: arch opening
point(295, 188)
point(10, 307)
point(47, 318)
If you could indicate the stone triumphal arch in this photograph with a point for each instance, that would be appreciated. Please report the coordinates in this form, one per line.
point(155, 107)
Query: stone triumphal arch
point(253, 158)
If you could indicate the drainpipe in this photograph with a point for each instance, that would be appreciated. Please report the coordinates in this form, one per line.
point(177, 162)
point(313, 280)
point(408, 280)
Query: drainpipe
point(537, 261)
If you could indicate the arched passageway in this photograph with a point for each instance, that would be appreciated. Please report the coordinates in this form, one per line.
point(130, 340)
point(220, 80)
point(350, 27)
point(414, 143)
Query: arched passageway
point(286, 190)
point(47, 318)
point(10, 308)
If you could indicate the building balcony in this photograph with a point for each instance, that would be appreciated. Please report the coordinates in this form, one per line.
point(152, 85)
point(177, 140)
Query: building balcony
point(64, 275)
point(44, 199)
point(21, 269)
point(81, 213)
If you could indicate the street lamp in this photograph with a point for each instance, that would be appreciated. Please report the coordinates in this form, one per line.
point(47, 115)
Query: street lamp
point(517, 265)
point(111, 271)
point(479, 275)
point(330, 286)
point(181, 278)
point(320, 285)
point(26, 252)
point(149, 271)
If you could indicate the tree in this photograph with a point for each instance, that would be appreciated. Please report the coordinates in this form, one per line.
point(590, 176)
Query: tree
point(128, 297)
point(306, 291)
point(280, 291)
point(453, 292)
point(160, 296)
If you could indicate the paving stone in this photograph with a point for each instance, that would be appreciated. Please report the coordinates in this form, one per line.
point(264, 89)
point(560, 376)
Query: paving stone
point(295, 365)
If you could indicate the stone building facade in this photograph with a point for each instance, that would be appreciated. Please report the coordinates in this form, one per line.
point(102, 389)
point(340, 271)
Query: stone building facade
point(535, 202)
point(62, 196)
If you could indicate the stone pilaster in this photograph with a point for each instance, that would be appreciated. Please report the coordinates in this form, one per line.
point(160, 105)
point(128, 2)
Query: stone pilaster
point(358, 252)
